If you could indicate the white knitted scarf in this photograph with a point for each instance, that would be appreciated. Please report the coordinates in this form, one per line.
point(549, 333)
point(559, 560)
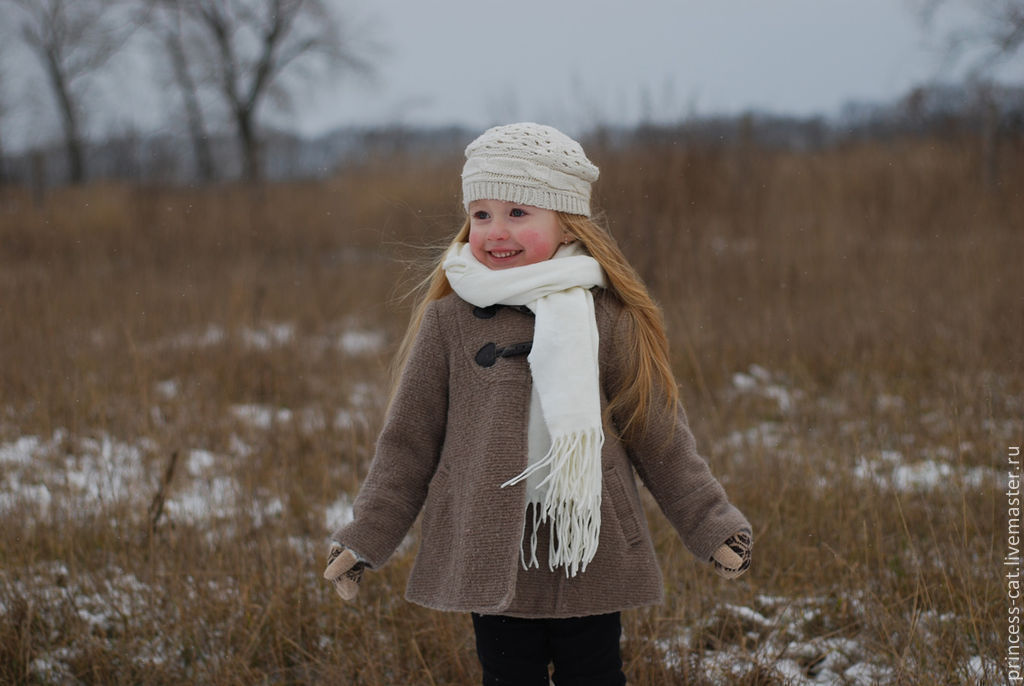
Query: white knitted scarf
point(564, 366)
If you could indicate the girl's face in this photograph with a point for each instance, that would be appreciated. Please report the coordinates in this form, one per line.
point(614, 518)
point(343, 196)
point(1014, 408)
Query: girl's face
point(504, 234)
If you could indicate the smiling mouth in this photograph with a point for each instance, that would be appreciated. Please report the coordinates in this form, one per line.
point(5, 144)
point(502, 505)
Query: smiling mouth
point(504, 254)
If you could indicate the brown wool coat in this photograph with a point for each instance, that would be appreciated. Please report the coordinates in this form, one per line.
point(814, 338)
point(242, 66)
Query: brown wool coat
point(457, 430)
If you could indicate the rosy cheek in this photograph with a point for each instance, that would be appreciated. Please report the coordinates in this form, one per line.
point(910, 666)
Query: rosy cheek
point(476, 246)
point(537, 244)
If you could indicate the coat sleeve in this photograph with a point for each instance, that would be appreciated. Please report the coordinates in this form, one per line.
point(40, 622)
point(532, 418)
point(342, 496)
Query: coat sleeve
point(407, 452)
point(666, 458)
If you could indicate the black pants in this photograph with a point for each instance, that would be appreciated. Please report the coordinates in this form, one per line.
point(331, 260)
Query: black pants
point(516, 652)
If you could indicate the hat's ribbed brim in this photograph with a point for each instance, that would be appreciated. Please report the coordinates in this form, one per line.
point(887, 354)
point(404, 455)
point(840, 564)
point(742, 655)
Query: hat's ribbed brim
point(570, 203)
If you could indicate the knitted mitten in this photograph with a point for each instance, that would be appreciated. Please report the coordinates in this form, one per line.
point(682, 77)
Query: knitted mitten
point(733, 557)
point(344, 570)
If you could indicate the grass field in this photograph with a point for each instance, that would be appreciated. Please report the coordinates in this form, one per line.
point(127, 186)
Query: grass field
point(191, 381)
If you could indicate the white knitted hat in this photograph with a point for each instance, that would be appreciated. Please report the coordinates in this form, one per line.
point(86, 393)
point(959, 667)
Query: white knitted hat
point(530, 164)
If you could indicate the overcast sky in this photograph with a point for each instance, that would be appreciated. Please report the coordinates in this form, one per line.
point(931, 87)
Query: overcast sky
point(575, 63)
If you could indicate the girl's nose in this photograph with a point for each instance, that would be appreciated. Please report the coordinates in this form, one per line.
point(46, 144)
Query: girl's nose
point(498, 230)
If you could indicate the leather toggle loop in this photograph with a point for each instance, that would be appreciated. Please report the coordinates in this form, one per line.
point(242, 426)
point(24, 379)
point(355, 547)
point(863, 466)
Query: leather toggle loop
point(485, 312)
point(489, 353)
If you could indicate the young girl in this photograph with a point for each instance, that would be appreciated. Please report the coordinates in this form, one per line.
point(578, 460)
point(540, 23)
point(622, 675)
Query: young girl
point(534, 380)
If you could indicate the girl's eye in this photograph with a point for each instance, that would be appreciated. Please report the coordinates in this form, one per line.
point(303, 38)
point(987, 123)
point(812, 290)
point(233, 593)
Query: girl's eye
point(479, 214)
point(517, 212)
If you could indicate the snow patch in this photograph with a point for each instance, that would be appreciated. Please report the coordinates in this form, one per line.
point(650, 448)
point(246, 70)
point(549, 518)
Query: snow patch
point(890, 471)
point(339, 513)
point(261, 416)
point(760, 382)
point(20, 451)
point(271, 335)
point(356, 342)
point(168, 389)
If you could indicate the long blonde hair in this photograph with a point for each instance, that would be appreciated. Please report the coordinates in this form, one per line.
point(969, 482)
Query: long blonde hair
point(648, 372)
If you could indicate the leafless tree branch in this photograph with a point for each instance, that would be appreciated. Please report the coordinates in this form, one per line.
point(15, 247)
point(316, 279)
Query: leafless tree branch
point(257, 44)
point(72, 39)
point(998, 33)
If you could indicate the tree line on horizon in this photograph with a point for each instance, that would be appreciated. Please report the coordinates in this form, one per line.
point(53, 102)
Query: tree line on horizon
point(230, 57)
point(231, 61)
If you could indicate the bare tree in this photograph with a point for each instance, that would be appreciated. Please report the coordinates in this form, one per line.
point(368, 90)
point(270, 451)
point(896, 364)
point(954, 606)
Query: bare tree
point(168, 21)
point(3, 111)
point(995, 37)
point(251, 44)
point(1005, 21)
point(72, 39)
point(998, 32)
point(3, 138)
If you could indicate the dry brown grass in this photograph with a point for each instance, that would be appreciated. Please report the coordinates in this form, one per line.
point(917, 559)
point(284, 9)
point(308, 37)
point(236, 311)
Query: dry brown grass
point(868, 296)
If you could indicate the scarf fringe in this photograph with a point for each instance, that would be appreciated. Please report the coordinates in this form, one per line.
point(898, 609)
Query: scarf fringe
point(572, 501)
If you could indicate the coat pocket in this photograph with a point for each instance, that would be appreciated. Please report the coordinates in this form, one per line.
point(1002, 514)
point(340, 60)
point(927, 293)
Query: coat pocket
point(437, 514)
point(625, 513)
